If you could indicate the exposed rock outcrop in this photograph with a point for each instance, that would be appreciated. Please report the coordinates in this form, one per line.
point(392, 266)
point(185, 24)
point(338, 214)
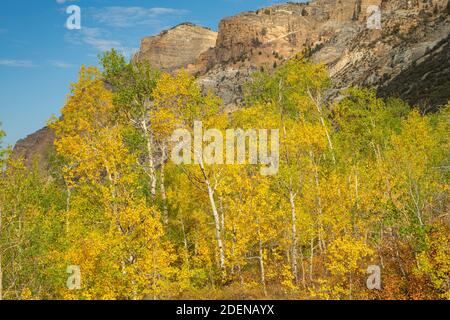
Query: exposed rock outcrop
point(426, 82)
point(36, 149)
point(176, 48)
point(408, 57)
point(333, 32)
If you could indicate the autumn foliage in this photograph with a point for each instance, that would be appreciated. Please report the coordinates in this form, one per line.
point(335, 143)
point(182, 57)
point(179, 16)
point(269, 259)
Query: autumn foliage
point(362, 181)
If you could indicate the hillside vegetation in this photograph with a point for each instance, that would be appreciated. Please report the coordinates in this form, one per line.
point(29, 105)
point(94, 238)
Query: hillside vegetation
point(362, 181)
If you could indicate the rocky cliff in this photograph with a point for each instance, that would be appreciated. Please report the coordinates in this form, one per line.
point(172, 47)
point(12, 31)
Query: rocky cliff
point(36, 149)
point(333, 32)
point(408, 57)
point(425, 82)
point(176, 48)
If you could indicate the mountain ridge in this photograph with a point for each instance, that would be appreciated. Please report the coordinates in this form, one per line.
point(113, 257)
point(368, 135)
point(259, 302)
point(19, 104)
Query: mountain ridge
point(393, 60)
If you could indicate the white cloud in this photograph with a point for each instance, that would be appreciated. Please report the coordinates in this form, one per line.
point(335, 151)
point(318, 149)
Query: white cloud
point(102, 38)
point(128, 52)
point(94, 37)
point(124, 17)
point(63, 1)
point(99, 40)
point(17, 63)
point(61, 64)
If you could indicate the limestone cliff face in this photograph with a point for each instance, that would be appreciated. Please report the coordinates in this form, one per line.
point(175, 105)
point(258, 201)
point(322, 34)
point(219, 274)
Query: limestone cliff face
point(364, 57)
point(176, 48)
point(333, 32)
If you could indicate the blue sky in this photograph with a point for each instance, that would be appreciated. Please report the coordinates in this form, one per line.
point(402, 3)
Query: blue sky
point(40, 57)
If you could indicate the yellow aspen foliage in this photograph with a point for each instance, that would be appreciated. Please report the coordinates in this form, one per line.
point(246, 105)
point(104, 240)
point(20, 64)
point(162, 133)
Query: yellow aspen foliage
point(435, 262)
point(118, 242)
point(361, 181)
point(344, 261)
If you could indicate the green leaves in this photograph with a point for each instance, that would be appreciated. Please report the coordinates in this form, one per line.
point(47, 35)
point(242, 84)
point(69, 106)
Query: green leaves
point(113, 64)
point(4, 151)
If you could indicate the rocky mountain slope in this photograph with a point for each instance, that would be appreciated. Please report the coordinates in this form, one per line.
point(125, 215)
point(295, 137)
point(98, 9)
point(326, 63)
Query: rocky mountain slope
point(408, 57)
point(426, 81)
point(332, 32)
point(36, 148)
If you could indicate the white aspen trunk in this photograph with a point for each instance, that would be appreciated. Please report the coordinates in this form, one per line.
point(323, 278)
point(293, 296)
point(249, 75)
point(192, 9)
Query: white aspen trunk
point(261, 261)
point(322, 245)
point(112, 190)
point(294, 258)
point(185, 243)
point(241, 278)
point(216, 216)
point(217, 226)
point(68, 209)
point(261, 267)
point(294, 236)
point(163, 187)
point(416, 201)
point(311, 262)
point(151, 161)
point(222, 214)
point(330, 143)
point(233, 250)
point(380, 244)
point(322, 121)
point(303, 267)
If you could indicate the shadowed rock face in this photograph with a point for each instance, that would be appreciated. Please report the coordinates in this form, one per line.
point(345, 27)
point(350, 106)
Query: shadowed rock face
point(425, 83)
point(36, 149)
point(397, 59)
point(176, 48)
